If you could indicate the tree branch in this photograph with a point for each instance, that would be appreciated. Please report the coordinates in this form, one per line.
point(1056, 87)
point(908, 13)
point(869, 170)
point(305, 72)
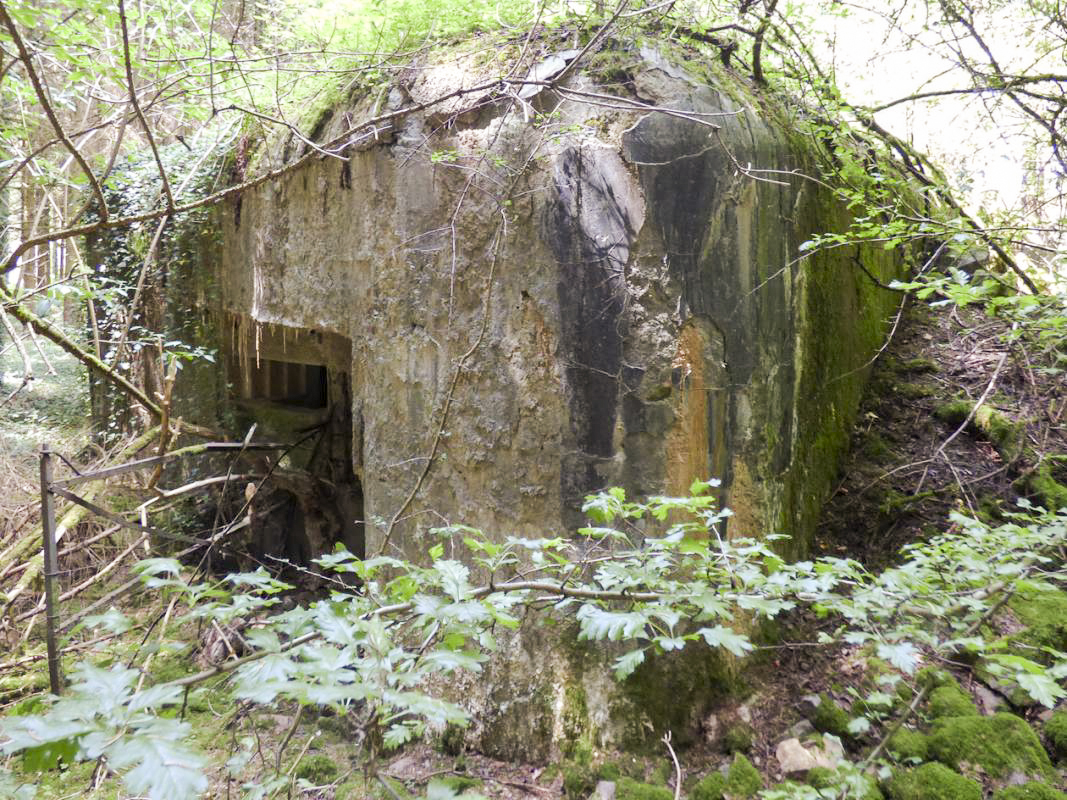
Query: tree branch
point(46, 106)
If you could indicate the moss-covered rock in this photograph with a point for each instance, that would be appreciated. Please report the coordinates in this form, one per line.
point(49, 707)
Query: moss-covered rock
point(1044, 613)
point(741, 781)
point(951, 701)
point(710, 787)
point(1056, 733)
point(999, 745)
point(661, 774)
point(1030, 791)
point(931, 782)
point(738, 738)
point(629, 789)
point(931, 677)
point(1046, 490)
point(908, 744)
point(578, 780)
point(829, 717)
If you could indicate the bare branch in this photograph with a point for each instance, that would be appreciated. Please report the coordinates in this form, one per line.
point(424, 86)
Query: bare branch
point(137, 106)
point(46, 106)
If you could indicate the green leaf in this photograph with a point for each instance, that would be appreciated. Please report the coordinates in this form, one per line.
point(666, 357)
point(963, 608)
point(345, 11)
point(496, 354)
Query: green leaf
point(726, 638)
point(112, 621)
point(628, 662)
point(48, 756)
point(597, 623)
point(453, 578)
point(902, 655)
point(1041, 688)
point(163, 767)
point(449, 660)
point(859, 726)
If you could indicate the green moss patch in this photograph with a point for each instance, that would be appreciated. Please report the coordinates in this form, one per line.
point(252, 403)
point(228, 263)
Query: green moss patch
point(741, 781)
point(629, 789)
point(1044, 613)
point(999, 745)
point(578, 780)
point(1030, 791)
point(932, 782)
point(318, 769)
point(994, 426)
point(829, 717)
point(951, 701)
point(710, 787)
point(1056, 733)
point(931, 678)
point(1048, 492)
point(907, 744)
point(738, 738)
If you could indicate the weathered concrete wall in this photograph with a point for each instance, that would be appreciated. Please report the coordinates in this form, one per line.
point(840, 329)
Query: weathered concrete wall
point(645, 320)
point(598, 296)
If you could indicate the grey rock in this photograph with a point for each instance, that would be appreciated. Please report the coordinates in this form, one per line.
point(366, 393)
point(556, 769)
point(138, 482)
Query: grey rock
point(988, 700)
point(795, 758)
point(605, 790)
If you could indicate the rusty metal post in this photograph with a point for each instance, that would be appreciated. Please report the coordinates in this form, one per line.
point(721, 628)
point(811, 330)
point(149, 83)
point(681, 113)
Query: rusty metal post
point(51, 569)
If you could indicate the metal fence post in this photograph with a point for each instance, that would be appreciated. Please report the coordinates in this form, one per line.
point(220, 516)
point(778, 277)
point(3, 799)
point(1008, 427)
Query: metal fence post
point(51, 569)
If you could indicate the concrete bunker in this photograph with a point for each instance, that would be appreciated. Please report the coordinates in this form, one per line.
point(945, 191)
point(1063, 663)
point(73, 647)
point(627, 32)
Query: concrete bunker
point(611, 302)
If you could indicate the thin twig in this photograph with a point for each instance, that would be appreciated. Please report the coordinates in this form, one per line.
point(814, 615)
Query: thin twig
point(677, 767)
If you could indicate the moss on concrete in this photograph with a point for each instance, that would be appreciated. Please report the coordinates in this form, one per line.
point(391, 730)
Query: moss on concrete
point(1056, 733)
point(1030, 791)
point(951, 701)
point(575, 716)
point(931, 782)
point(998, 745)
point(907, 744)
point(670, 693)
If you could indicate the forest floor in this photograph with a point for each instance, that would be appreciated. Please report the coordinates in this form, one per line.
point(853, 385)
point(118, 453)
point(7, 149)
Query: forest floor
point(914, 459)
